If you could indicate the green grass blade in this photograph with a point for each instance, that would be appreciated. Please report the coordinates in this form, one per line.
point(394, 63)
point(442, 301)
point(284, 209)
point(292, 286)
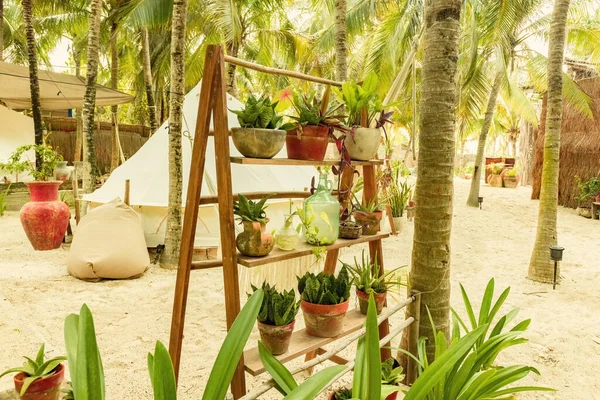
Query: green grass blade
point(372, 355)
point(359, 377)
point(26, 383)
point(310, 388)
point(39, 359)
point(277, 370)
point(89, 378)
point(162, 374)
point(498, 304)
point(468, 307)
point(232, 348)
point(71, 339)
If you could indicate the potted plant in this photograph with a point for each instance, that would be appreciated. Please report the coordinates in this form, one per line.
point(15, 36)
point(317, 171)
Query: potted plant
point(341, 394)
point(261, 133)
point(276, 318)
point(324, 302)
point(350, 229)
point(368, 214)
point(495, 178)
point(367, 279)
point(254, 240)
point(44, 218)
point(466, 172)
point(391, 374)
point(410, 210)
point(588, 191)
point(39, 379)
point(362, 105)
point(510, 178)
point(314, 124)
point(398, 201)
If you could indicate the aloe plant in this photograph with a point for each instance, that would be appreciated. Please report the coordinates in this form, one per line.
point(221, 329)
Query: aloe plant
point(325, 288)
point(259, 113)
point(366, 277)
point(35, 369)
point(371, 206)
point(314, 111)
point(248, 210)
point(278, 308)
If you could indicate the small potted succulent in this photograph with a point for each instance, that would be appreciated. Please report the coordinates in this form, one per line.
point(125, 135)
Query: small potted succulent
point(368, 214)
point(398, 200)
point(391, 374)
point(466, 172)
point(261, 133)
point(495, 178)
point(39, 379)
point(367, 279)
point(314, 124)
point(510, 178)
point(276, 318)
point(362, 106)
point(324, 302)
point(588, 192)
point(44, 218)
point(254, 240)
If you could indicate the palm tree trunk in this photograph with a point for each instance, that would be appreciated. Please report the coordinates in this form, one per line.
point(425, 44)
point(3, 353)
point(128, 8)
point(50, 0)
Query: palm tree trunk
point(1, 30)
point(148, 81)
point(430, 269)
point(114, 81)
point(341, 62)
point(487, 122)
point(89, 101)
point(170, 256)
point(232, 50)
point(79, 128)
point(541, 269)
point(34, 83)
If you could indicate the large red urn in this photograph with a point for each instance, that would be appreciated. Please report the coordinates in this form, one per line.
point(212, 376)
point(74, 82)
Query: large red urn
point(45, 217)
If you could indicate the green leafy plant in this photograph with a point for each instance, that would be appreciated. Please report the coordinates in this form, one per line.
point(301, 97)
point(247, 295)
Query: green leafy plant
point(342, 394)
point(468, 168)
point(371, 206)
point(511, 173)
point(398, 198)
point(588, 189)
point(3, 197)
point(49, 159)
point(391, 372)
point(324, 288)
point(365, 275)
point(314, 111)
point(311, 233)
point(162, 374)
point(362, 101)
point(278, 308)
point(259, 113)
point(248, 210)
point(495, 168)
point(36, 369)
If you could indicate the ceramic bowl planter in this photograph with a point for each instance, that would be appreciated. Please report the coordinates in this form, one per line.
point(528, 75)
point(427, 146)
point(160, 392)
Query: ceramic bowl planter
point(324, 320)
point(276, 338)
point(495, 180)
point(46, 388)
point(310, 143)
point(399, 223)
point(254, 241)
point(510, 181)
point(363, 301)
point(369, 221)
point(258, 143)
point(363, 143)
point(44, 218)
point(350, 230)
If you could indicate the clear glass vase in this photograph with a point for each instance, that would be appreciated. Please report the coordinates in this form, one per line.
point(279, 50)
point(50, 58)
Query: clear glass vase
point(287, 237)
point(322, 215)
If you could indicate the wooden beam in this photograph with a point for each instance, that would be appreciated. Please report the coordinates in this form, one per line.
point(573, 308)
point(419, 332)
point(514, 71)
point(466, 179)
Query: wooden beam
point(127, 192)
point(414, 311)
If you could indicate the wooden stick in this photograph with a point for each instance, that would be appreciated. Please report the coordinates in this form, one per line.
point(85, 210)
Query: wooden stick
point(414, 311)
point(75, 196)
point(206, 264)
point(127, 191)
point(277, 71)
point(259, 195)
point(341, 345)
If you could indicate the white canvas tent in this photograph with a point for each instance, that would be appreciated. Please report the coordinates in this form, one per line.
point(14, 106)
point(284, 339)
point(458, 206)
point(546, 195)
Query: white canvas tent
point(16, 130)
point(147, 171)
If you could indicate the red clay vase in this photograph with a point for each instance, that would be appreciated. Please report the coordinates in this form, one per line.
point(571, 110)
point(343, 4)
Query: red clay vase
point(45, 218)
point(324, 320)
point(276, 338)
point(254, 241)
point(363, 301)
point(47, 388)
point(308, 144)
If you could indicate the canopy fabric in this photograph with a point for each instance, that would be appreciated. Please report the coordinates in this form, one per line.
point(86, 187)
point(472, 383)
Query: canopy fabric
point(16, 130)
point(57, 91)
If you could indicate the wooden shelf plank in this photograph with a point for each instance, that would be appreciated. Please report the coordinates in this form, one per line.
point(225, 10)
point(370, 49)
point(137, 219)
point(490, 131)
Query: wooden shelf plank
point(303, 250)
point(289, 161)
point(301, 343)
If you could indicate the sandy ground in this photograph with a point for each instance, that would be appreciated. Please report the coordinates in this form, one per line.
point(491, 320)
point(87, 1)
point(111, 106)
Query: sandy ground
point(36, 294)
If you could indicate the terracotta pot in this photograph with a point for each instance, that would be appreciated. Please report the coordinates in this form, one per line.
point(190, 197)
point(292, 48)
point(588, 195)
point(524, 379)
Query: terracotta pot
point(254, 241)
point(410, 213)
point(370, 221)
point(276, 338)
point(309, 144)
point(399, 223)
point(258, 143)
point(45, 217)
point(597, 198)
point(323, 320)
point(392, 396)
point(362, 144)
point(510, 181)
point(47, 388)
point(363, 301)
point(495, 180)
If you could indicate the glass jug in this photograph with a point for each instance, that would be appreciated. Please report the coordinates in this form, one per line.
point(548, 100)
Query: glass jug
point(322, 215)
point(287, 237)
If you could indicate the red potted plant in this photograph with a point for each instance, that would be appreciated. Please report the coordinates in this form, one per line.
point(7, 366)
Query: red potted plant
point(276, 318)
point(44, 218)
point(39, 379)
point(314, 125)
point(324, 302)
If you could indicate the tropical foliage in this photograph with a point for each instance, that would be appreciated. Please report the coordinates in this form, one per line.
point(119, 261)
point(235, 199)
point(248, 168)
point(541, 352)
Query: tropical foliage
point(47, 157)
point(325, 288)
point(278, 308)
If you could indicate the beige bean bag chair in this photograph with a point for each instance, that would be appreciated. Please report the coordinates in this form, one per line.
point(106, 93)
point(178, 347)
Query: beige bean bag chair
point(109, 244)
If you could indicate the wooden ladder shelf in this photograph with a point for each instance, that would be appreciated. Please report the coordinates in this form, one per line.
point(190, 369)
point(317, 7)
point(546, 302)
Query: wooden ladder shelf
point(213, 103)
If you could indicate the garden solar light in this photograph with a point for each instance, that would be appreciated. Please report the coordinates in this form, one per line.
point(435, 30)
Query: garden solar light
point(480, 200)
point(556, 253)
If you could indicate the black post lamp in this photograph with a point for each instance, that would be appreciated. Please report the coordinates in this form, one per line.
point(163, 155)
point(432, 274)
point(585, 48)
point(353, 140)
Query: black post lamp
point(480, 200)
point(556, 254)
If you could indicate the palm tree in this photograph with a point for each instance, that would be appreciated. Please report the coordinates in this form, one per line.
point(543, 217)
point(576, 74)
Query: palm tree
point(1, 30)
point(89, 102)
point(170, 256)
point(341, 50)
point(148, 83)
point(114, 80)
point(540, 266)
point(34, 83)
point(430, 269)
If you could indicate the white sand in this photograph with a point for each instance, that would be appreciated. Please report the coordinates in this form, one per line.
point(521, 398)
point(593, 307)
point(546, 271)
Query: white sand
point(36, 294)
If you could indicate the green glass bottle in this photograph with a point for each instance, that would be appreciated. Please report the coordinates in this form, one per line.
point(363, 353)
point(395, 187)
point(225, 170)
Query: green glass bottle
point(322, 215)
